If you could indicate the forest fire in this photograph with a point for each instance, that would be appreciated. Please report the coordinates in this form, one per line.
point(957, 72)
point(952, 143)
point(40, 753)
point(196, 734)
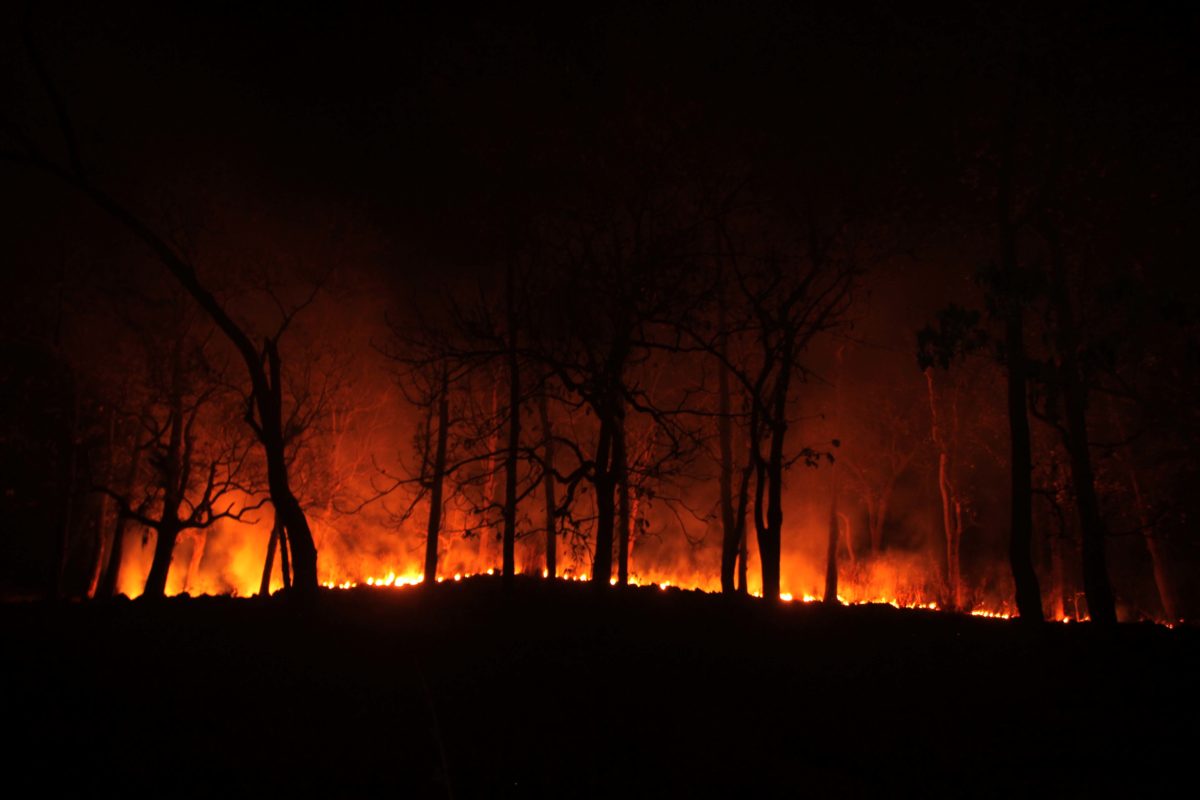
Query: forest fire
point(187, 577)
point(601, 399)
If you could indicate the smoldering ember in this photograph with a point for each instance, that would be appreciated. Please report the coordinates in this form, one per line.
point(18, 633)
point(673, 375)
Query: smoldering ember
point(658, 398)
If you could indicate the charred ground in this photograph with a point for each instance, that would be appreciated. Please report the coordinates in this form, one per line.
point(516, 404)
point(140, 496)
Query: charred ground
point(555, 689)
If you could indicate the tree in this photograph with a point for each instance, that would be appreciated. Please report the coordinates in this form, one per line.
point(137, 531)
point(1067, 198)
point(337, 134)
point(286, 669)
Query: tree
point(200, 470)
point(264, 411)
point(787, 299)
point(609, 278)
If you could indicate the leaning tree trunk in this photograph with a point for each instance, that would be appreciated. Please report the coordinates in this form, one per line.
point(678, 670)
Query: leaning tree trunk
point(437, 481)
point(165, 537)
point(266, 389)
point(264, 586)
point(548, 489)
point(296, 534)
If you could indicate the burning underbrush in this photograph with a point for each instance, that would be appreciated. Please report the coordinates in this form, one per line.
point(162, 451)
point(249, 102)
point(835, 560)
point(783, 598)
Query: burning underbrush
point(229, 561)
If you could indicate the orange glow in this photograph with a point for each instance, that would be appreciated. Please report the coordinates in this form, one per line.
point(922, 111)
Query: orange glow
point(229, 560)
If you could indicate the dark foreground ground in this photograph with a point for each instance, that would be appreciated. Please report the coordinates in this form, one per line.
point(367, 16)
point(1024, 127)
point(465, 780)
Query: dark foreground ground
point(552, 690)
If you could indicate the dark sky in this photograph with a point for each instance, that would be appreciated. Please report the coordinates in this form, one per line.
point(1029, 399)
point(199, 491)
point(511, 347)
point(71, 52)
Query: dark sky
point(436, 127)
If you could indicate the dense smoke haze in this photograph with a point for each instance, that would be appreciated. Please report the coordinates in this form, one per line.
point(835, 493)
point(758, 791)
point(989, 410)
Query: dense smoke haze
point(675, 296)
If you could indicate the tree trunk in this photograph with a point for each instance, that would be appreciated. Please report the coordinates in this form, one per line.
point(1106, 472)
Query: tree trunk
point(490, 494)
point(437, 480)
point(604, 483)
point(1029, 595)
point(831, 564)
point(266, 389)
point(165, 537)
point(285, 565)
point(951, 505)
point(831, 551)
point(1158, 560)
point(1057, 574)
point(106, 506)
point(621, 470)
point(743, 583)
point(59, 587)
point(111, 579)
point(548, 489)
point(509, 562)
point(1020, 556)
point(730, 540)
point(1096, 584)
point(770, 533)
point(264, 586)
point(296, 534)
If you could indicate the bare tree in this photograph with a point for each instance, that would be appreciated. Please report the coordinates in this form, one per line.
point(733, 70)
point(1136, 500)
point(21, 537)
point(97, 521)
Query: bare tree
point(200, 468)
point(264, 413)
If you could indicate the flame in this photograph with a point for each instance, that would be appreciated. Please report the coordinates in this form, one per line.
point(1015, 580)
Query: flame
point(229, 560)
